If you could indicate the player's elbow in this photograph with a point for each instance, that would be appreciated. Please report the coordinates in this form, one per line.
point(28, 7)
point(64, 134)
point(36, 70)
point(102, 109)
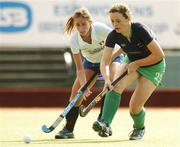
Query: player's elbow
point(161, 56)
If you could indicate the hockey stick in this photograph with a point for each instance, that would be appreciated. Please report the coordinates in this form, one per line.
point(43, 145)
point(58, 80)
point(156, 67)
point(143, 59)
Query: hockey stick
point(84, 110)
point(69, 106)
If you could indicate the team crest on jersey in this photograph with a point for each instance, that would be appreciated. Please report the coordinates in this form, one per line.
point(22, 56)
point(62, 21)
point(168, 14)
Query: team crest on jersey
point(139, 45)
point(123, 45)
point(96, 50)
point(101, 43)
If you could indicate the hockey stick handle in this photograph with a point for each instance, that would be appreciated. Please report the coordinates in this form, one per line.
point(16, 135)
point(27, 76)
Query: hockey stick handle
point(85, 110)
point(119, 78)
point(78, 95)
point(89, 82)
point(47, 129)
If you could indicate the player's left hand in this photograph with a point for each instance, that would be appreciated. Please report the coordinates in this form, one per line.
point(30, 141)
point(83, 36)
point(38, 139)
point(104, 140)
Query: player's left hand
point(87, 93)
point(132, 67)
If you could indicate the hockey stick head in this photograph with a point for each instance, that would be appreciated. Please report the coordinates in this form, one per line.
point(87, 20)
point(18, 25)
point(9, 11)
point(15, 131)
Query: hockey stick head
point(45, 129)
point(85, 110)
point(69, 107)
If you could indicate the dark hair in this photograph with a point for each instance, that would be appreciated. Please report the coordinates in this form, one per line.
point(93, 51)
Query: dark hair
point(122, 9)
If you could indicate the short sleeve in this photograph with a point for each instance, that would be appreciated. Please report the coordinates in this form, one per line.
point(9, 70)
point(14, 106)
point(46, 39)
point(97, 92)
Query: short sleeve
point(102, 29)
point(74, 44)
point(111, 40)
point(145, 34)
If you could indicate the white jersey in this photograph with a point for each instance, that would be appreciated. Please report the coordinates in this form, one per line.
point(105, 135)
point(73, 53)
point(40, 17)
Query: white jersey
point(92, 52)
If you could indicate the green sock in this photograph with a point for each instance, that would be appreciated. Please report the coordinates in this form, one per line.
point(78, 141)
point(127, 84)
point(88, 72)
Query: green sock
point(111, 104)
point(139, 119)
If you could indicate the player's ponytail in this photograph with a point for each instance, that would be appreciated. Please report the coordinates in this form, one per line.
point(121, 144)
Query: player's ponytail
point(69, 25)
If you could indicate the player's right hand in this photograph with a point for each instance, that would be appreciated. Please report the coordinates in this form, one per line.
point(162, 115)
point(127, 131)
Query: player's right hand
point(107, 85)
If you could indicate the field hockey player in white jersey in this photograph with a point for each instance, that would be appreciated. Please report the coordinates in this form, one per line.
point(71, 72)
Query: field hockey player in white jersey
point(87, 43)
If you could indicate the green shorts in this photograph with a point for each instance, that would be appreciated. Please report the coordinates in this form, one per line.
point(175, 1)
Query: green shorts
point(154, 72)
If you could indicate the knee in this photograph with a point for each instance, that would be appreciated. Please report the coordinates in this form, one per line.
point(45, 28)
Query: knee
point(118, 90)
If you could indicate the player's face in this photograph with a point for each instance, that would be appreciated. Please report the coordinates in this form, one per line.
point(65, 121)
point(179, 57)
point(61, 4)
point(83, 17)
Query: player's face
point(82, 25)
point(119, 22)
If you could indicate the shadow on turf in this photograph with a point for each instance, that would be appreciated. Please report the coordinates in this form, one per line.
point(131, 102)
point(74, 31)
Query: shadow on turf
point(67, 141)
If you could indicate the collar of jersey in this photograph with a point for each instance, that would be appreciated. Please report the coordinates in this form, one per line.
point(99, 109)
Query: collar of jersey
point(93, 36)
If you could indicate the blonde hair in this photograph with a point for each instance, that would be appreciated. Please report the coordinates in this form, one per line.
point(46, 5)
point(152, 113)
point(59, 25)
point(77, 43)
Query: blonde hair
point(82, 12)
point(122, 9)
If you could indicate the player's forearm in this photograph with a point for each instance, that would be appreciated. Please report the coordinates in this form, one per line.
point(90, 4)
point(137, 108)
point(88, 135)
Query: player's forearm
point(105, 61)
point(156, 55)
point(104, 67)
point(116, 53)
point(81, 76)
point(150, 60)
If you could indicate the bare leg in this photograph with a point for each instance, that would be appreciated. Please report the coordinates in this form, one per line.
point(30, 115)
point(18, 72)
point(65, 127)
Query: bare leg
point(113, 67)
point(125, 82)
point(71, 118)
point(143, 91)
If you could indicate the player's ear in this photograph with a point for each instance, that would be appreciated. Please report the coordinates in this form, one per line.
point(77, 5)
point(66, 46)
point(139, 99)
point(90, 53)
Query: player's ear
point(90, 22)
